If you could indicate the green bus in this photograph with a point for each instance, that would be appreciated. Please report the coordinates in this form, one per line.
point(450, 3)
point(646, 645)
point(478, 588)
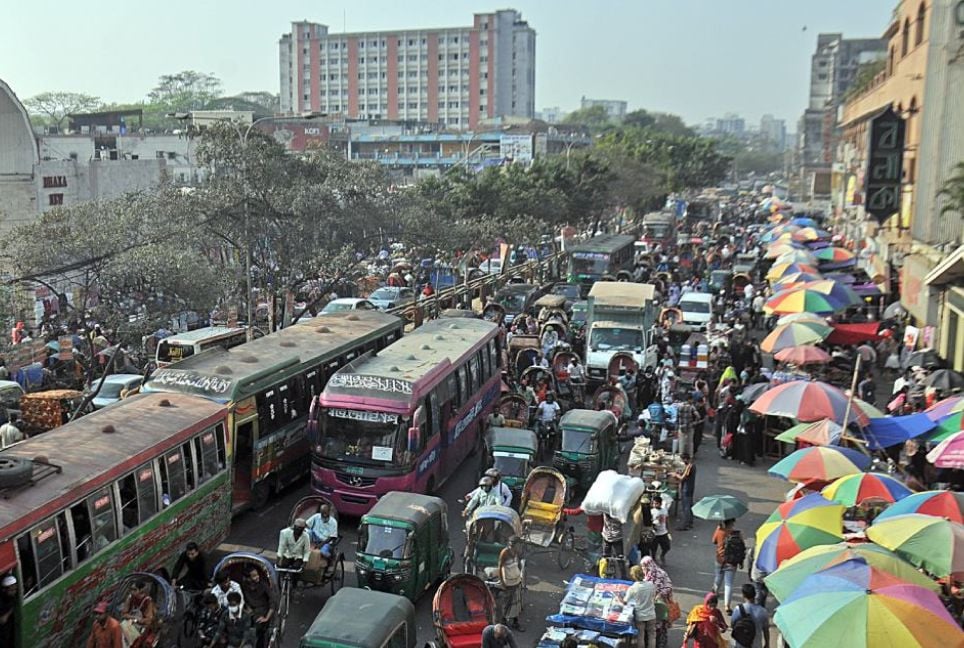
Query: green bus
point(607, 257)
point(118, 491)
point(269, 385)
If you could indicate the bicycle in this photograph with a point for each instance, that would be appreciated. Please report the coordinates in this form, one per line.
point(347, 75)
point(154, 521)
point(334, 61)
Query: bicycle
point(286, 578)
point(571, 547)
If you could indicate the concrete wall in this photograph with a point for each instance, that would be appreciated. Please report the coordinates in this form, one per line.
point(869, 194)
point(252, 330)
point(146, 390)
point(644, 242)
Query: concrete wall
point(113, 178)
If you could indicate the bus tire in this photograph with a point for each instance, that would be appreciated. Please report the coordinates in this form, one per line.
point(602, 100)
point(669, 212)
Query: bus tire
point(260, 495)
point(15, 471)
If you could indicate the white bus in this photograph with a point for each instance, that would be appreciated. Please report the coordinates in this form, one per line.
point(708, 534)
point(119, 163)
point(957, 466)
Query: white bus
point(177, 347)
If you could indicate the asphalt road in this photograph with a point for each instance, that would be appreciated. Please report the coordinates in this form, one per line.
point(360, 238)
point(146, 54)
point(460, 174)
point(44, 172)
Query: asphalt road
point(689, 563)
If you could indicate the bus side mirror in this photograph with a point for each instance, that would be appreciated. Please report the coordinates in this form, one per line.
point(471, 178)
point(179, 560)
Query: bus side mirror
point(311, 428)
point(414, 439)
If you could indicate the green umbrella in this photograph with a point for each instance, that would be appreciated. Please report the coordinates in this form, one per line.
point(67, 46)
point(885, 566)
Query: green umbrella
point(792, 572)
point(719, 507)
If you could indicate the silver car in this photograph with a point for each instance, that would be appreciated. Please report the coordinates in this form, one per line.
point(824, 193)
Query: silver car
point(391, 297)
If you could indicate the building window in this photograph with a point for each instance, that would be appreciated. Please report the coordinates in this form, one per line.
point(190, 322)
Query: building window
point(411, 42)
point(905, 38)
point(890, 61)
point(919, 27)
point(55, 199)
point(321, 61)
point(455, 57)
point(822, 77)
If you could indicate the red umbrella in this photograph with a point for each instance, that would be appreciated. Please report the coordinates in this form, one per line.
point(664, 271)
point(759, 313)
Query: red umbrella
point(808, 401)
point(803, 355)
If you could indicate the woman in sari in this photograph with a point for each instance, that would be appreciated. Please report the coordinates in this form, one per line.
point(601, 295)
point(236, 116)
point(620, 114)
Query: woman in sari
point(705, 625)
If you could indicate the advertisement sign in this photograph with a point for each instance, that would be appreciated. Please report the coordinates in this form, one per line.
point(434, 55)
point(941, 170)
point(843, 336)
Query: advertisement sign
point(885, 162)
point(911, 333)
point(516, 147)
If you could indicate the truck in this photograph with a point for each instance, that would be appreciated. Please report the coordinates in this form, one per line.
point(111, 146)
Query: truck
point(659, 227)
point(621, 317)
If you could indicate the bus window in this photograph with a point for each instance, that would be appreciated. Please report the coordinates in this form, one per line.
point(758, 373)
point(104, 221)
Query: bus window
point(484, 364)
point(188, 466)
point(103, 520)
point(46, 554)
point(474, 372)
point(452, 389)
point(206, 452)
point(146, 493)
point(268, 415)
point(493, 356)
point(127, 492)
point(226, 343)
point(83, 541)
point(463, 386)
point(172, 476)
point(219, 439)
point(313, 384)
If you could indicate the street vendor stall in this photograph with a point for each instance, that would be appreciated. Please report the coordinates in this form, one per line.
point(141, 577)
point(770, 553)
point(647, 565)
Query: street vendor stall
point(592, 611)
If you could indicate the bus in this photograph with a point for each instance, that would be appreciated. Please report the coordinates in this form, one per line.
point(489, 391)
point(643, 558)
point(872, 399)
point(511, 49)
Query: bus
point(183, 345)
point(405, 418)
point(118, 491)
point(605, 257)
point(268, 385)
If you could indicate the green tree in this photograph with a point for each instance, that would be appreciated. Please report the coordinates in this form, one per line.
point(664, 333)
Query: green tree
point(186, 90)
point(638, 119)
point(52, 108)
point(594, 118)
point(672, 124)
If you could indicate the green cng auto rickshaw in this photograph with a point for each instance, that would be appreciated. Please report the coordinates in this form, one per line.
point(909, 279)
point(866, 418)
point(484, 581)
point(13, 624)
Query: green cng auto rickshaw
point(510, 451)
point(362, 619)
point(403, 545)
point(589, 446)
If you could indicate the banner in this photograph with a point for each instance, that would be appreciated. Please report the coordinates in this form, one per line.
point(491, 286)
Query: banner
point(911, 333)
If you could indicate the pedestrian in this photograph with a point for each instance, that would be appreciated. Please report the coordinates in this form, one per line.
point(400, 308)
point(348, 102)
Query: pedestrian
point(613, 546)
point(260, 600)
point(705, 625)
point(8, 607)
point(730, 554)
point(686, 416)
point(687, 489)
point(510, 582)
point(750, 623)
point(642, 596)
point(498, 636)
point(9, 432)
point(667, 610)
point(866, 388)
point(661, 540)
point(106, 631)
point(236, 627)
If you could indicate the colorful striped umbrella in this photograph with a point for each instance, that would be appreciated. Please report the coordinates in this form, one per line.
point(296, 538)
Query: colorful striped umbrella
point(821, 433)
point(949, 453)
point(795, 278)
point(809, 401)
point(795, 526)
point(803, 221)
point(793, 572)
point(795, 334)
point(779, 247)
point(944, 408)
point(802, 317)
point(780, 269)
point(855, 605)
point(802, 299)
point(853, 490)
point(795, 256)
point(820, 464)
point(811, 234)
point(947, 428)
point(939, 503)
point(934, 544)
point(837, 291)
point(777, 231)
point(835, 256)
point(803, 355)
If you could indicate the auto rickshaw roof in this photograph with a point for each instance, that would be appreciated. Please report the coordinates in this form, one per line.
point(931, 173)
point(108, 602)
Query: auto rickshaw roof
point(363, 618)
point(413, 508)
point(583, 418)
point(551, 301)
point(503, 437)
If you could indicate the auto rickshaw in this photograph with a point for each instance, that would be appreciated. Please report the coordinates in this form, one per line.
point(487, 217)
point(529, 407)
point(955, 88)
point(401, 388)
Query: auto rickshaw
point(550, 307)
point(462, 608)
point(543, 496)
point(494, 313)
point(315, 573)
point(589, 446)
point(720, 280)
point(486, 535)
point(169, 606)
point(403, 544)
point(362, 618)
point(511, 451)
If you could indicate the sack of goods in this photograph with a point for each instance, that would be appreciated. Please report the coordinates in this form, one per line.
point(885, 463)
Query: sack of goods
point(614, 495)
point(640, 450)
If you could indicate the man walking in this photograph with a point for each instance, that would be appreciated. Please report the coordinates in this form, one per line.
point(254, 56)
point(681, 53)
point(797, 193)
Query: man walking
point(687, 487)
point(686, 415)
point(750, 622)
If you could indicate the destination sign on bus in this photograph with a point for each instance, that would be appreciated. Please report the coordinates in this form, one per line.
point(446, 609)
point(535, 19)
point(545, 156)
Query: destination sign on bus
point(591, 256)
point(361, 415)
point(190, 381)
point(371, 383)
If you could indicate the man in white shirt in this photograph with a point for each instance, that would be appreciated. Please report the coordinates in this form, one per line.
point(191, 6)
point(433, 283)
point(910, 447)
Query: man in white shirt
point(549, 409)
point(499, 487)
point(223, 586)
point(642, 596)
point(294, 545)
point(322, 529)
point(10, 433)
point(748, 292)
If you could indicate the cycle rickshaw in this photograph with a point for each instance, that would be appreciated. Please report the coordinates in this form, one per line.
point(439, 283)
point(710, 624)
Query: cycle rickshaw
point(315, 573)
point(168, 628)
point(463, 606)
point(543, 497)
point(237, 565)
point(487, 534)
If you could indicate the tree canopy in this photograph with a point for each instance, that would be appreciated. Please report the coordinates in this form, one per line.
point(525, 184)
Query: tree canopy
point(52, 108)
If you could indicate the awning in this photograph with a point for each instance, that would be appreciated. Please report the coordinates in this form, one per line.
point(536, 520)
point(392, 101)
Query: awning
point(949, 270)
point(853, 333)
point(891, 430)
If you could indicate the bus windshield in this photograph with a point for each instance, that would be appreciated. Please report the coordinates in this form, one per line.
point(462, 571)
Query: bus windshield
point(173, 352)
point(360, 436)
point(598, 264)
point(616, 339)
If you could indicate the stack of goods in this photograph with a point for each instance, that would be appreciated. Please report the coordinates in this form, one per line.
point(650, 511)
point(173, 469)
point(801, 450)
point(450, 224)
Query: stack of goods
point(592, 609)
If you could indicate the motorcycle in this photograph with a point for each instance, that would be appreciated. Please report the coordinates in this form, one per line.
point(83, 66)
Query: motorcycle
point(547, 433)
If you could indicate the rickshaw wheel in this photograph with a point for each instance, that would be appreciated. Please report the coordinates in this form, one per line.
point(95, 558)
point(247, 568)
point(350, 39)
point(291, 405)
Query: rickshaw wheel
point(338, 574)
point(566, 551)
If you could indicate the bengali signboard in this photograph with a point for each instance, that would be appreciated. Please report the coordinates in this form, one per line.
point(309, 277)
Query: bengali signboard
point(885, 163)
point(516, 147)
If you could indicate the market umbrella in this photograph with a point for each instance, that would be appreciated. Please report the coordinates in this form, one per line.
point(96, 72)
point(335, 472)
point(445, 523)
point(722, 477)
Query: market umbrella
point(811, 234)
point(802, 299)
point(797, 278)
point(795, 256)
point(944, 408)
point(947, 428)
point(838, 291)
point(753, 391)
point(934, 544)
point(949, 453)
point(794, 334)
point(821, 433)
point(802, 317)
point(803, 355)
point(820, 464)
point(719, 507)
point(794, 571)
point(803, 221)
point(53, 346)
point(871, 411)
point(939, 503)
point(779, 248)
point(857, 489)
point(855, 605)
point(926, 358)
point(778, 270)
point(945, 380)
point(835, 255)
point(797, 525)
point(809, 401)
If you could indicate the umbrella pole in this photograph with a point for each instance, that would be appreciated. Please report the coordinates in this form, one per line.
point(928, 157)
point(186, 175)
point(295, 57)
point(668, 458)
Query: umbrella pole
point(850, 402)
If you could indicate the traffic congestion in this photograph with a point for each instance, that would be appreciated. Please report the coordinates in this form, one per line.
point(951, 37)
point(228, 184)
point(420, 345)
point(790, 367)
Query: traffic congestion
point(515, 455)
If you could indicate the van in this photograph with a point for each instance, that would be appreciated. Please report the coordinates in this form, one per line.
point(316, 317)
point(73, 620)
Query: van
point(697, 309)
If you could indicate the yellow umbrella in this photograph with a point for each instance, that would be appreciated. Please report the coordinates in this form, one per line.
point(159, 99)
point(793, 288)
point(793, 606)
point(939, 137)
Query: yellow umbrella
point(780, 269)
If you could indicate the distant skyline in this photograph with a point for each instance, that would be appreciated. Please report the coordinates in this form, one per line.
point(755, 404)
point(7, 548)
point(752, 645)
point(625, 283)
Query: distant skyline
point(696, 58)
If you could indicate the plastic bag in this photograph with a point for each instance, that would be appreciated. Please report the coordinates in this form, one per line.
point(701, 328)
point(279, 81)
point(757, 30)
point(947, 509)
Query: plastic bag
point(613, 494)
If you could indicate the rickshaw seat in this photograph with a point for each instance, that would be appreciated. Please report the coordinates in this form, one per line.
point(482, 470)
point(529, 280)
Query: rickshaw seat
point(465, 635)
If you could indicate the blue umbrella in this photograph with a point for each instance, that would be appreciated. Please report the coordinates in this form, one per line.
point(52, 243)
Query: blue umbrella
point(891, 430)
point(805, 221)
point(54, 346)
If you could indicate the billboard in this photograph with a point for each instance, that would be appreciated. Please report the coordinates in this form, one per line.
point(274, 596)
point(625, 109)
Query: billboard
point(516, 147)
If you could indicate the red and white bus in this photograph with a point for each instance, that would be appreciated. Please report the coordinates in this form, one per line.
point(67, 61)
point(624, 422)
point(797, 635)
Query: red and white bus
point(404, 418)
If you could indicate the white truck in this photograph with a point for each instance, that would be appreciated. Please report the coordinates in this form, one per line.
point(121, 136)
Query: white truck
point(621, 316)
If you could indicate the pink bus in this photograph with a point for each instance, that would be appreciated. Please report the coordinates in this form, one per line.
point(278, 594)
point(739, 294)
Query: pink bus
point(404, 418)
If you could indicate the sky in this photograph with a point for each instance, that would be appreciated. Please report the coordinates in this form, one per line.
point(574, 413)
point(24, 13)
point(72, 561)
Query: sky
point(695, 58)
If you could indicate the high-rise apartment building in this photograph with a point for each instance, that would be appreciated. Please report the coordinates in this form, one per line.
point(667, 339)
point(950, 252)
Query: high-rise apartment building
point(774, 131)
point(615, 108)
point(454, 75)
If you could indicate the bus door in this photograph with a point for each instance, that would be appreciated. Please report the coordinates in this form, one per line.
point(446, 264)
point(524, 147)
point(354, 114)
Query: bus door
point(245, 432)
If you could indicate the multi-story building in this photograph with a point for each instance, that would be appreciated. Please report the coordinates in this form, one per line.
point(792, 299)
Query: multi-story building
point(456, 76)
point(615, 108)
point(774, 130)
point(833, 69)
point(731, 124)
point(552, 115)
point(923, 81)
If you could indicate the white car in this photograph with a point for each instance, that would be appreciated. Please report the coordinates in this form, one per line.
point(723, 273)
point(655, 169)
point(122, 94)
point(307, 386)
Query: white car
point(115, 385)
point(697, 309)
point(491, 266)
point(391, 297)
point(343, 304)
